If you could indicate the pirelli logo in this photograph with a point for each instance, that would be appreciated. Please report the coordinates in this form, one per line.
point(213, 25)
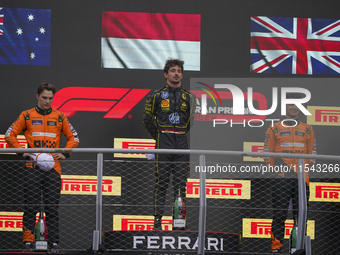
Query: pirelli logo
point(323, 116)
point(324, 192)
point(12, 221)
point(128, 143)
point(262, 228)
point(253, 147)
point(225, 189)
point(87, 185)
point(139, 222)
point(3, 145)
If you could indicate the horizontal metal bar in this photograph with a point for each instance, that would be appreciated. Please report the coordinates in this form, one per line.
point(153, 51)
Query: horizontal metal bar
point(172, 151)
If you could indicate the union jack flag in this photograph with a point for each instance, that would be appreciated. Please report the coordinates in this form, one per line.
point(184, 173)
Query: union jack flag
point(1, 22)
point(295, 45)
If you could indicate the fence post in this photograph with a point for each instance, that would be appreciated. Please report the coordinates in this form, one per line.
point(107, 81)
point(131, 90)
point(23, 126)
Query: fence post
point(202, 208)
point(302, 206)
point(97, 237)
point(308, 245)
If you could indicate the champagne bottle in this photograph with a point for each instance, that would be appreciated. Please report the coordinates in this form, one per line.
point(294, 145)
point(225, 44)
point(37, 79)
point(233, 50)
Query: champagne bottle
point(37, 230)
point(41, 228)
point(292, 238)
point(178, 215)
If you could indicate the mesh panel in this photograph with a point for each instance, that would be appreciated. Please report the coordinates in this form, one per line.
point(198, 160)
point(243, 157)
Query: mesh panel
point(237, 203)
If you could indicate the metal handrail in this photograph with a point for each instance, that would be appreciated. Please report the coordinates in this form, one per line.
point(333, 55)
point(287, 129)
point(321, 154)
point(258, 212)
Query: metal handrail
point(173, 151)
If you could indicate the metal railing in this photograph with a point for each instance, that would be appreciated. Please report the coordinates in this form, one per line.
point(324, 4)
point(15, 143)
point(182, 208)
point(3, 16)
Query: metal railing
point(303, 242)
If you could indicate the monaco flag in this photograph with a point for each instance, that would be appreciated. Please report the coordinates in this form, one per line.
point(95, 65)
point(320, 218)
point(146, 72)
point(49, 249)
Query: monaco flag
point(139, 40)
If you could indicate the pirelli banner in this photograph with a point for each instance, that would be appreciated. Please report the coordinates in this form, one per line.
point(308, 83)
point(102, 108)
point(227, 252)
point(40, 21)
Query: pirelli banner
point(253, 147)
point(139, 222)
point(324, 192)
point(3, 145)
point(87, 185)
point(132, 143)
point(262, 228)
point(323, 115)
point(221, 189)
point(12, 221)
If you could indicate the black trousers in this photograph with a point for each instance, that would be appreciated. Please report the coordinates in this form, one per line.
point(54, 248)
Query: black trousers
point(48, 185)
point(283, 190)
point(167, 164)
point(164, 168)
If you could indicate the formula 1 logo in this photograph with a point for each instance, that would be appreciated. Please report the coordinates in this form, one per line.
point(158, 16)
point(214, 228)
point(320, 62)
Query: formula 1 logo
point(117, 102)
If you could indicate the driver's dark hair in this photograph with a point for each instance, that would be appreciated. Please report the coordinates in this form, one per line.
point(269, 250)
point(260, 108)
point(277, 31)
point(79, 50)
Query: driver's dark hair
point(173, 62)
point(46, 86)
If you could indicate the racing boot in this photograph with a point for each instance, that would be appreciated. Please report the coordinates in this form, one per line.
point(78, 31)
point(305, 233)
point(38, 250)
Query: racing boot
point(28, 245)
point(27, 236)
point(157, 225)
point(276, 245)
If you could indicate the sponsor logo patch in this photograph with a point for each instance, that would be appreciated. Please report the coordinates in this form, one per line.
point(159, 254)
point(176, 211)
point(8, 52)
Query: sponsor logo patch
point(165, 103)
point(36, 122)
point(286, 133)
point(165, 94)
point(51, 123)
point(300, 133)
point(174, 118)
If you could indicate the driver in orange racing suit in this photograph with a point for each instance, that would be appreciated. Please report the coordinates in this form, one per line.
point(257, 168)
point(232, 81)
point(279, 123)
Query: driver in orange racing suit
point(42, 127)
point(289, 136)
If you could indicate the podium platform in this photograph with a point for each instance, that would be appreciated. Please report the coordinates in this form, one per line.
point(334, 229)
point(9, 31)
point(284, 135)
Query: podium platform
point(170, 242)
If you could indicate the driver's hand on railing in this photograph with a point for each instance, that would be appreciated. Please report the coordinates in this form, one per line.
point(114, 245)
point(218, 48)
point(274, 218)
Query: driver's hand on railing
point(59, 156)
point(150, 156)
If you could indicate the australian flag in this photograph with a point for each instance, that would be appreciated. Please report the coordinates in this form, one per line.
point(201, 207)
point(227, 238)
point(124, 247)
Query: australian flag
point(295, 45)
point(25, 36)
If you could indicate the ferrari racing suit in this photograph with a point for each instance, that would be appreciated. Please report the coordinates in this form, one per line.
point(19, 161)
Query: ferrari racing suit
point(168, 116)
